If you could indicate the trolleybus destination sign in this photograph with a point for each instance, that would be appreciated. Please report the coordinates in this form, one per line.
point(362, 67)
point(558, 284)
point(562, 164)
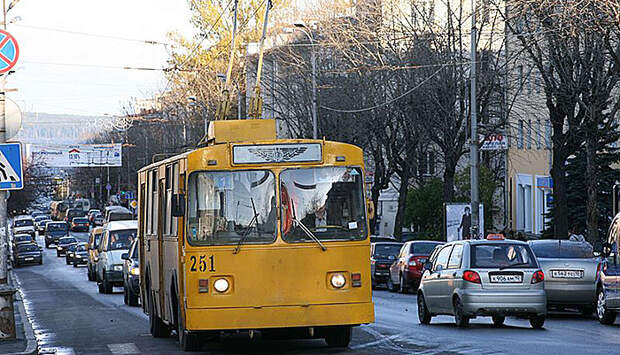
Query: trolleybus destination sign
point(277, 153)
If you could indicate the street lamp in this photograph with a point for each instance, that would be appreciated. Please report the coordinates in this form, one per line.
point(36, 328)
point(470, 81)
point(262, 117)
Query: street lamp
point(300, 26)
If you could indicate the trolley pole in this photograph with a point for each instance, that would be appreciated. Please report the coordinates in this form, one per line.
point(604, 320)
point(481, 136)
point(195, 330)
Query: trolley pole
point(473, 152)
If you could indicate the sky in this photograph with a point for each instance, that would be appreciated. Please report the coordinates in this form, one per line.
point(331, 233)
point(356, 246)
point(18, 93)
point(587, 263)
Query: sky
point(69, 73)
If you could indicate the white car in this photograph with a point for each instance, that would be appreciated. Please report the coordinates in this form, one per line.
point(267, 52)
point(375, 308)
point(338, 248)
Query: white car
point(24, 225)
point(116, 240)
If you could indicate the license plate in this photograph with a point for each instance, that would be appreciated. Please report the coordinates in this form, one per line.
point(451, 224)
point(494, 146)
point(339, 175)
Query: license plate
point(567, 274)
point(29, 259)
point(506, 279)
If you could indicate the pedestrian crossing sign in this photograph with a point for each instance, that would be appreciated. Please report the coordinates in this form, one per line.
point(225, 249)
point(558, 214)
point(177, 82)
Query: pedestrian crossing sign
point(11, 167)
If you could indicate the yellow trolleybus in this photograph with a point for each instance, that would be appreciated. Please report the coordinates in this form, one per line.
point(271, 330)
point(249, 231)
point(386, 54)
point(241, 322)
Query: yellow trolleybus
point(255, 233)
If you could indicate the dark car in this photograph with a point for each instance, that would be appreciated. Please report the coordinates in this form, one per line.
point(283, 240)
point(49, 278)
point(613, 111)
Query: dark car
point(77, 254)
point(80, 224)
point(608, 290)
point(131, 274)
point(72, 213)
point(63, 245)
point(29, 253)
point(20, 239)
point(382, 255)
point(55, 231)
point(406, 272)
point(41, 225)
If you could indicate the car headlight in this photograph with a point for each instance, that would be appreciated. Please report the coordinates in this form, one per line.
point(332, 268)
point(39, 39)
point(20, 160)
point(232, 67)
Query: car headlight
point(221, 285)
point(338, 280)
point(135, 271)
point(117, 267)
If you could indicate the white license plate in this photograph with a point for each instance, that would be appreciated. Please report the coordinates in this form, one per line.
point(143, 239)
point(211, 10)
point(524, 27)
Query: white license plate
point(29, 259)
point(506, 279)
point(567, 274)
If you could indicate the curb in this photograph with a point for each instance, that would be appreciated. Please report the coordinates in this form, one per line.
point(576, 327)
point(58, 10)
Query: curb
point(31, 340)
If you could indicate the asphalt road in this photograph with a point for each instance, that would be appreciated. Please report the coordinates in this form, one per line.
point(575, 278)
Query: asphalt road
point(71, 317)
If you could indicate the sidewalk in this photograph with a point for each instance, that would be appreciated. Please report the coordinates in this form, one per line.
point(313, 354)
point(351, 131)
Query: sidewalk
point(25, 342)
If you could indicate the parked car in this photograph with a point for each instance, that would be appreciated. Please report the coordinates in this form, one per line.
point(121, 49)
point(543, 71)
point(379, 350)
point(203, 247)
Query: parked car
point(41, 225)
point(28, 253)
point(73, 251)
point(93, 252)
point(116, 239)
point(63, 245)
point(572, 273)
point(131, 274)
point(55, 231)
point(80, 224)
point(471, 278)
point(406, 271)
point(23, 225)
point(382, 255)
point(608, 291)
point(72, 213)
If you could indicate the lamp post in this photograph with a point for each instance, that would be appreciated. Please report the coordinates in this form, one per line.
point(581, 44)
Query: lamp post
point(475, 198)
point(305, 30)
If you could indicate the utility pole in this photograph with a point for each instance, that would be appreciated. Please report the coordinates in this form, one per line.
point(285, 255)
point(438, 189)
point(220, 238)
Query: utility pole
point(315, 130)
point(3, 197)
point(473, 151)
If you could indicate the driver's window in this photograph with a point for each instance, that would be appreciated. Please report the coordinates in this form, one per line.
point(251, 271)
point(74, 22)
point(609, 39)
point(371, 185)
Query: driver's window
point(441, 262)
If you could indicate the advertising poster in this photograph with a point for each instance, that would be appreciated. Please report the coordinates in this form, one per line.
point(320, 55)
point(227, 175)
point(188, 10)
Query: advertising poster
point(458, 221)
point(78, 155)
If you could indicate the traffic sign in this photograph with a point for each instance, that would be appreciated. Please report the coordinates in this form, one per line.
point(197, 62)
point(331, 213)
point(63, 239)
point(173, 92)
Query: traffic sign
point(108, 187)
point(9, 51)
point(133, 204)
point(11, 173)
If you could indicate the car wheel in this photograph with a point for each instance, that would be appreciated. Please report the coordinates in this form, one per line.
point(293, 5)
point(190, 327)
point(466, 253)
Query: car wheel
point(339, 337)
point(423, 314)
point(107, 286)
point(390, 285)
point(402, 288)
point(57, 253)
point(602, 313)
point(132, 298)
point(41, 262)
point(89, 273)
point(125, 295)
point(157, 326)
point(188, 341)
point(75, 263)
point(100, 287)
point(537, 322)
point(47, 245)
point(498, 320)
point(461, 320)
point(67, 260)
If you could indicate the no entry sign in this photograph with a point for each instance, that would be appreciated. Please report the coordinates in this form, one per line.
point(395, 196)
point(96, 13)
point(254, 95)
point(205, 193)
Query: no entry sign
point(9, 51)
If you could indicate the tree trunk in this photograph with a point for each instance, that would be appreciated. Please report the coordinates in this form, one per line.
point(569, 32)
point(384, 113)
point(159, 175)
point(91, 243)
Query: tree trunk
point(560, 203)
point(592, 179)
point(402, 203)
point(448, 182)
point(375, 191)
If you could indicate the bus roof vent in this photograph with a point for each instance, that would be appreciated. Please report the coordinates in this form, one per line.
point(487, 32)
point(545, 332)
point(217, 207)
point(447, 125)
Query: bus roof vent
point(235, 131)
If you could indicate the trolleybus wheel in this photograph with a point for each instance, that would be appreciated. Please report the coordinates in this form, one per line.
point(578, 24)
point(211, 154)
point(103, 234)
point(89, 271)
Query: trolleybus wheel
point(187, 340)
point(338, 337)
point(158, 328)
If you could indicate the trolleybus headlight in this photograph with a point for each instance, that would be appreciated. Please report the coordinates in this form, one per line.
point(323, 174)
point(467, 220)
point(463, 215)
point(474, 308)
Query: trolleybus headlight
point(338, 280)
point(221, 285)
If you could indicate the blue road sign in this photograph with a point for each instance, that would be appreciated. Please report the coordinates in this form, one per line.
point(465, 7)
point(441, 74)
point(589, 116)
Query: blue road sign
point(9, 51)
point(11, 173)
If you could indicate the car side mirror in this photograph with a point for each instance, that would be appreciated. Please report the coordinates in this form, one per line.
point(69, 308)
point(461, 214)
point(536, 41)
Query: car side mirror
point(125, 256)
point(370, 208)
point(178, 205)
point(428, 266)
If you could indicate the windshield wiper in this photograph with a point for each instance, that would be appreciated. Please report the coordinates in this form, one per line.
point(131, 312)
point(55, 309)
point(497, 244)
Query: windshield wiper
point(248, 228)
point(307, 230)
point(513, 265)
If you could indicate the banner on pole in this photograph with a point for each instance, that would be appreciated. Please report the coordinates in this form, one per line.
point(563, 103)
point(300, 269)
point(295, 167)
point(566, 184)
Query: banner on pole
point(78, 155)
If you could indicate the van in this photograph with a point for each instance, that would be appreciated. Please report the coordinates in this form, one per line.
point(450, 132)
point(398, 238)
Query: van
point(117, 213)
point(115, 241)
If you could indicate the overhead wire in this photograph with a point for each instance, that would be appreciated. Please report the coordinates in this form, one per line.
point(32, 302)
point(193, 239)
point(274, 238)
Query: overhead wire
point(79, 33)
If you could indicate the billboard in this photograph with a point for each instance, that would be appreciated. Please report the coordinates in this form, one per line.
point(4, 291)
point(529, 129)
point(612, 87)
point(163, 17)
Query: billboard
point(458, 221)
point(78, 155)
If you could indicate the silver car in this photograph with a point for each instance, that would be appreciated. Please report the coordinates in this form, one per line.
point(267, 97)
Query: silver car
point(572, 273)
point(471, 278)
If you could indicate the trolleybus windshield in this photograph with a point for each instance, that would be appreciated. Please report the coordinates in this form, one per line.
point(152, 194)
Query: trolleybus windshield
point(328, 201)
point(222, 207)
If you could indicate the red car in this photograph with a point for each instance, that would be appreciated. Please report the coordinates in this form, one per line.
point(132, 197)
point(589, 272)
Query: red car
point(406, 272)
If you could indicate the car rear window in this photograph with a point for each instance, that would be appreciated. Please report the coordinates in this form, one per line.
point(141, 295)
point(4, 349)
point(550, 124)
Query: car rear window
point(80, 220)
point(28, 247)
point(386, 250)
point(55, 227)
point(504, 255)
point(24, 223)
point(561, 250)
point(423, 248)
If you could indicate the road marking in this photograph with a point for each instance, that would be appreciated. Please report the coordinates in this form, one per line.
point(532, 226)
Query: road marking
point(57, 351)
point(126, 348)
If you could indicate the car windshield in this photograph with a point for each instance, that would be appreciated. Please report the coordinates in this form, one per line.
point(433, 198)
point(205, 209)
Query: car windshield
point(563, 250)
point(72, 247)
point(27, 247)
point(422, 248)
point(40, 218)
point(23, 223)
point(224, 207)
point(64, 241)
point(502, 255)
point(97, 240)
point(328, 201)
point(386, 250)
point(80, 220)
point(81, 247)
point(22, 238)
point(57, 227)
point(121, 239)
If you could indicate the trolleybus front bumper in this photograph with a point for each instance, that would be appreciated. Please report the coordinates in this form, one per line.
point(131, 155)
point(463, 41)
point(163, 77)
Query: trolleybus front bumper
point(270, 317)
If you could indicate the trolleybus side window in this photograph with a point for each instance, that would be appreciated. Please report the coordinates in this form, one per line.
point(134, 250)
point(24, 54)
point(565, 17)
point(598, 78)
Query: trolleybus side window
point(231, 207)
point(154, 202)
point(149, 203)
point(328, 201)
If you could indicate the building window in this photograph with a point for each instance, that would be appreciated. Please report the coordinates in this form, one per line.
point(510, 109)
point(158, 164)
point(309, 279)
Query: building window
point(520, 135)
point(548, 134)
point(537, 83)
point(529, 134)
point(539, 135)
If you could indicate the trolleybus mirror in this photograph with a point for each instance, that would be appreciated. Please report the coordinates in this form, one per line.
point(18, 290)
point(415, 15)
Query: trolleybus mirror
point(178, 205)
point(370, 207)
